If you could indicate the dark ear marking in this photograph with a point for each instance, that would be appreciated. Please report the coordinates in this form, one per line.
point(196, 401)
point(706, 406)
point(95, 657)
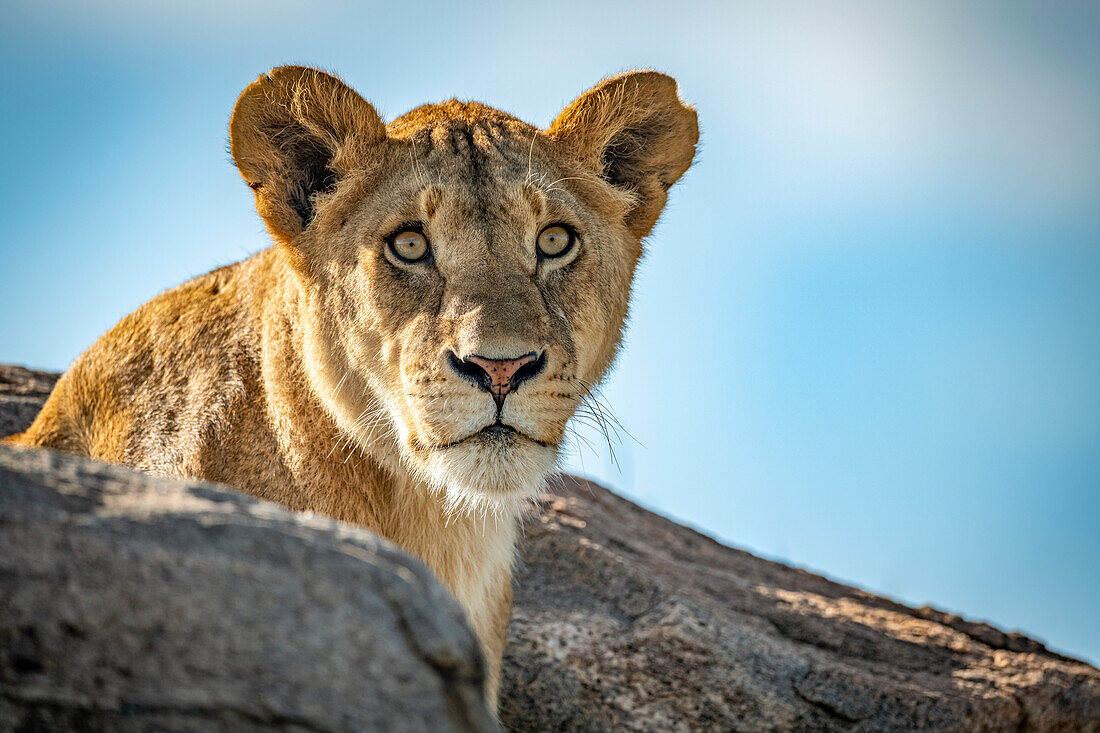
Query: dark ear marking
point(620, 155)
point(313, 162)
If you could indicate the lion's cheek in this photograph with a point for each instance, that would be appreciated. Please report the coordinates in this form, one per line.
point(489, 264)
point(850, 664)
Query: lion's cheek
point(540, 417)
point(438, 421)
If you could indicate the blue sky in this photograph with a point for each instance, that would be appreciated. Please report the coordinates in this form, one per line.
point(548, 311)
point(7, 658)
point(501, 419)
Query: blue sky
point(887, 255)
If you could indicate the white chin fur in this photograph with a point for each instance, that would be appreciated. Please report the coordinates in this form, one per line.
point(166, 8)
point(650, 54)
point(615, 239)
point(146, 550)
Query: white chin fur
point(490, 476)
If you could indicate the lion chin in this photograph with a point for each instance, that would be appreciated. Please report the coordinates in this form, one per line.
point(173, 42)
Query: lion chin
point(496, 469)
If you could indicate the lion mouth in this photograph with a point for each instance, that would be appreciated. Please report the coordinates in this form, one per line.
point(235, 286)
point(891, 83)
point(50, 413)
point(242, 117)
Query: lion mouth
point(497, 429)
point(497, 432)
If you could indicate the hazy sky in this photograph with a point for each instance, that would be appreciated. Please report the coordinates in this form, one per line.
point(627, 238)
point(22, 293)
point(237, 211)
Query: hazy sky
point(885, 265)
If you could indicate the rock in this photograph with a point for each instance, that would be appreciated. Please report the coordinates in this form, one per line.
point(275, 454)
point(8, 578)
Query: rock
point(627, 621)
point(22, 392)
point(623, 621)
point(132, 602)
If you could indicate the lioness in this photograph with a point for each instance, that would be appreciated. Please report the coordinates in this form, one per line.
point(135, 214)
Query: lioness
point(443, 292)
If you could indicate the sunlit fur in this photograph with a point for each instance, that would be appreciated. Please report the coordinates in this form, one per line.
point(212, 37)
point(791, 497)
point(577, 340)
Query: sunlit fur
point(315, 373)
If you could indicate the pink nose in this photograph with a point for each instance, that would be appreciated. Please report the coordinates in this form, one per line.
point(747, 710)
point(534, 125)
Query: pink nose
point(499, 376)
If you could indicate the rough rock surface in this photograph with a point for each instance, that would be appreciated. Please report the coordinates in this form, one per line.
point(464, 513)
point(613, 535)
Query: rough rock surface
point(135, 602)
point(627, 621)
point(22, 392)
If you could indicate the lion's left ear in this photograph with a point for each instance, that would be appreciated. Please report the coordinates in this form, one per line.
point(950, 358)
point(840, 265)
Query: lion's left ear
point(635, 132)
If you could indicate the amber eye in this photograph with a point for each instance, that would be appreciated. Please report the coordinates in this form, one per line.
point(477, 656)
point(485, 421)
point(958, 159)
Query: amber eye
point(555, 240)
point(409, 246)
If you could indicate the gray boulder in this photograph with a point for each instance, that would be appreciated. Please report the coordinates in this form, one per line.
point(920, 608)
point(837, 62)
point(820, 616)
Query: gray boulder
point(22, 392)
point(135, 602)
point(627, 621)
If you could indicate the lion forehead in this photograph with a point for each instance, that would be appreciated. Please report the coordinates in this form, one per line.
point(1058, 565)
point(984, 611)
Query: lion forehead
point(455, 114)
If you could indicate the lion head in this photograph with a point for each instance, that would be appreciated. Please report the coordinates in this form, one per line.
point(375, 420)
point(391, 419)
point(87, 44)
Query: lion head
point(461, 278)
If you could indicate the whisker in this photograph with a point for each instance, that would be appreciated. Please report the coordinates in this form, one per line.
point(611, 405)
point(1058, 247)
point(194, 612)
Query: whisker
point(596, 418)
point(416, 164)
point(606, 410)
point(530, 153)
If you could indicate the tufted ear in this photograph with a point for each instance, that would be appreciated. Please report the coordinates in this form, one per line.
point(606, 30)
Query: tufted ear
point(295, 131)
point(634, 130)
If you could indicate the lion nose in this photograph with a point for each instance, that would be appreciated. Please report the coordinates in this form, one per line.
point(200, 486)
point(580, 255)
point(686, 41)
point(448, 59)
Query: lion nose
point(499, 376)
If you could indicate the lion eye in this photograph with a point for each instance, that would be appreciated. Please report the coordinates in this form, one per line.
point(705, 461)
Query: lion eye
point(410, 246)
point(555, 240)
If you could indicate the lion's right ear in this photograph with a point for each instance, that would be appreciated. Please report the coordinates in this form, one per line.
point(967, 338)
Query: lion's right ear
point(295, 131)
point(635, 131)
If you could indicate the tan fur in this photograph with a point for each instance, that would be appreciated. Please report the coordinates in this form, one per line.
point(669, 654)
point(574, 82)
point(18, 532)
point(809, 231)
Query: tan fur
point(314, 373)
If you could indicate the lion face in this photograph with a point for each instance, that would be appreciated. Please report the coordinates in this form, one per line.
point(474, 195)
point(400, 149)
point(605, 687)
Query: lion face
point(462, 277)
